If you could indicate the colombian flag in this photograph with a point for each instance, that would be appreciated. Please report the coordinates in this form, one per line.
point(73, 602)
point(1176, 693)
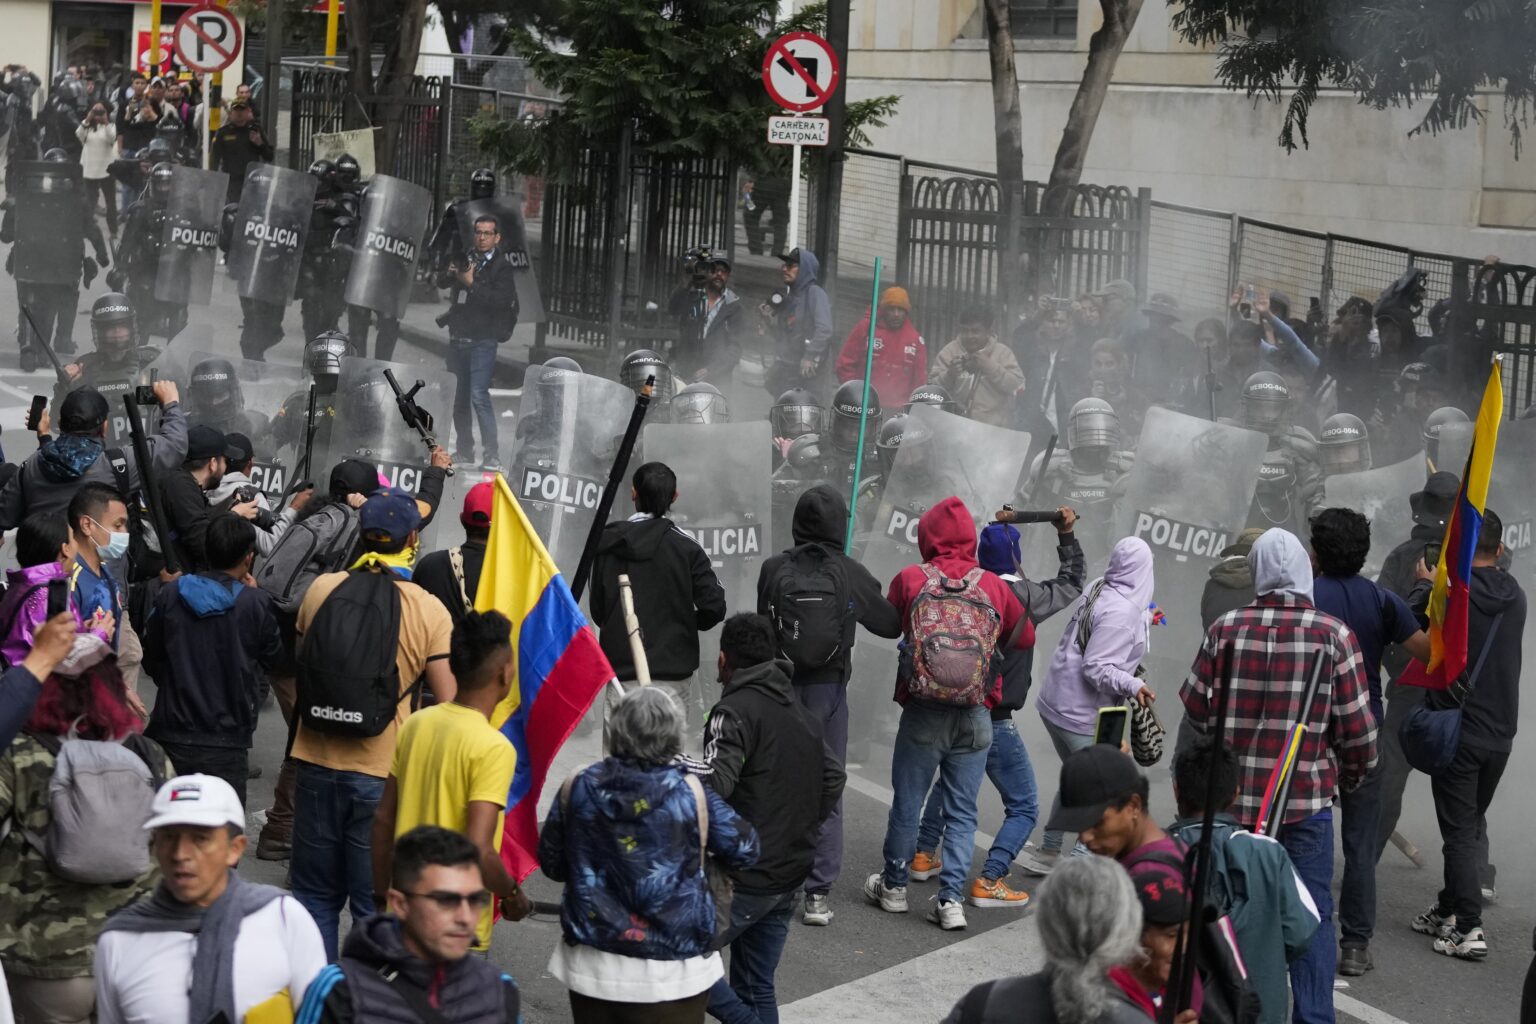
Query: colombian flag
point(1453, 575)
point(560, 668)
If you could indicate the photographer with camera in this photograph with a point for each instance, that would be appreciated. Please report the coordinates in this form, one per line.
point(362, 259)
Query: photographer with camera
point(801, 316)
point(980, 371)
point(98, 139)
point(183, 495)
point(482, 315)
point(709, 317)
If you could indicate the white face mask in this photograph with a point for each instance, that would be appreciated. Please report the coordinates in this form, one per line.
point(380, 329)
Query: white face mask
point(115, 547)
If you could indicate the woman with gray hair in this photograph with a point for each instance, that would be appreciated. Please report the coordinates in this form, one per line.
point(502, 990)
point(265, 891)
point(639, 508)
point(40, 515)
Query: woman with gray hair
point(627, 837)
point(1090, 923)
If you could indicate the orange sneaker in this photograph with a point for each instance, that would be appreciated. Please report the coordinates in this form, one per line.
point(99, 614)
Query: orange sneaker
point(996, 893)
point(924, 866)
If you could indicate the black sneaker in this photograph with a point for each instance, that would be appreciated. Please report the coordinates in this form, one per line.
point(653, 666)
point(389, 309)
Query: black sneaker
point(1354, 961)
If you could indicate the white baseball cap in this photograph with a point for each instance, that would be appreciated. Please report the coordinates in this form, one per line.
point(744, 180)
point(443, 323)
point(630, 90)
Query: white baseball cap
point(204, 801)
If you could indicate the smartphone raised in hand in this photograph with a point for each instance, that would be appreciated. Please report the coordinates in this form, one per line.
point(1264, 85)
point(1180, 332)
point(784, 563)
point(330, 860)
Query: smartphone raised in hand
point(58, 597)
point(35, 413)
point(1112, 725)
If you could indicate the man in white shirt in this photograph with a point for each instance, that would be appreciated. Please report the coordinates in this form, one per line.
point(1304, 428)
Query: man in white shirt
point(205, 942)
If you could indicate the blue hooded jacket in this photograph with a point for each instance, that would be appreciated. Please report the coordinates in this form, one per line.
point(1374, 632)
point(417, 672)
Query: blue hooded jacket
point(808, 316)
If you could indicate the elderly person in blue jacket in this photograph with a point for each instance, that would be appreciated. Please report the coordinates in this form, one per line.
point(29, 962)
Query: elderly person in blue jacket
point(627, 836)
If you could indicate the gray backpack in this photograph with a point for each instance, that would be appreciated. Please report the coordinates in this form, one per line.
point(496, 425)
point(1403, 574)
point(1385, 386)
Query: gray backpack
point(317, 544)
point(98, 801)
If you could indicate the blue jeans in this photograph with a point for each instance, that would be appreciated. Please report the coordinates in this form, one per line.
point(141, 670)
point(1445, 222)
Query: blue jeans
point(1357, 889)
point(1014, 778)
point(1066, 744)
point(1310, 844)
point(472, 363)
point(759, 929)
point(332, 845)
point(954, 742)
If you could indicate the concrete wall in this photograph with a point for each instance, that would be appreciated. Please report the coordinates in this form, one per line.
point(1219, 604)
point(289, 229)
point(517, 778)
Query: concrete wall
point(1167, 125)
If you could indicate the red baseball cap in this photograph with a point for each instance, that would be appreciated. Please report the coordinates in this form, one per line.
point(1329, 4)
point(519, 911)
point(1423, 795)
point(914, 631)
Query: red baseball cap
point(477, 504)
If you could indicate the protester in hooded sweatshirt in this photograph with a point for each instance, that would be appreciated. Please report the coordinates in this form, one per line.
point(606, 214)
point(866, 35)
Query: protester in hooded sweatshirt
point(205, 942)
point(1490, 715)
point(768, 760)
point(900, 364)
point(1268, 648)
point(1095, 664)
point(802, 321)
point(943, 727)
point(1008, 764)
point(821, 519)
point(1231, 582)
point(676, 592)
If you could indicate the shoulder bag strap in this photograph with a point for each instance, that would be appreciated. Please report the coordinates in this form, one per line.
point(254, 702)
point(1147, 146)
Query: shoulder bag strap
point(1482, 656)
point(702, 803)
point(456, 563)
point(1085, 616)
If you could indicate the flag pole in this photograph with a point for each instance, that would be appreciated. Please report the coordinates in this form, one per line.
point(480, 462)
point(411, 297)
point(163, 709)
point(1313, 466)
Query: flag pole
point(869, 361)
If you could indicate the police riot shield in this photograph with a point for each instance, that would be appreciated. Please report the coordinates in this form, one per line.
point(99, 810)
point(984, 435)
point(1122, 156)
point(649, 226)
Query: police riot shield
point(1511, 487)
point(266, 246)
point(724, 496)
point(941, 455)
point(50, 222)
point(514, 242)
point(367, 423)
point(189, 240)
point(1187, 495)
point(242, 396)
point(394, 220)
point(1381, 495)
point(569, 428)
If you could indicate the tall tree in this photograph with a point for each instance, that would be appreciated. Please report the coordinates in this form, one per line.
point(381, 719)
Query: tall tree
point(1104, 47)
point(1008, 129)
point(398, 25)
point(1388, 53)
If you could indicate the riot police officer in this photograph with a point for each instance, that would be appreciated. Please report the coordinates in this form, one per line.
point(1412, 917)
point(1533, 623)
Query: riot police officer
point(1086, 475)
point(643, 363)
point(261, 323)
point(360, 318)
point(936, 395)
point(447, 239)
point(1446, 415)
point(849, 410)
point(114, 364)
point(323, 276)
point(138, 259)
point(214, 398)
point(49, 218)
point(807, 462)
point(1344, 445)
point(700, 402)
point(1290, 480)
point(323, 355)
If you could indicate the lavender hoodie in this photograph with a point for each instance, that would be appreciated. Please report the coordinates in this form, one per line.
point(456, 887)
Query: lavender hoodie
point(1078, 683)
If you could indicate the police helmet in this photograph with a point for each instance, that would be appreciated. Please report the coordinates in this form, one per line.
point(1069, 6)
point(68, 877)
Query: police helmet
point(849, 410)
point(214, 390)
point(1344, 446)
point(1435, 423)
point(892, 432)
point(805, 453)
point(700, 402)
point(325, 171)
point(797, 412)
point(348, 171)
point(642, 363)
point(482, 184)
point(1266, 401)
point(56, 156)
point(110, 311)
point(160, 178)
point(1093, 423)
point(562, 363)
point(159, 150)
point(931, 394)
point(323, 355)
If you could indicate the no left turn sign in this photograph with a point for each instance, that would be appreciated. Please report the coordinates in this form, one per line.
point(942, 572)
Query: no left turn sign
point(800, 71)
point(207, 39)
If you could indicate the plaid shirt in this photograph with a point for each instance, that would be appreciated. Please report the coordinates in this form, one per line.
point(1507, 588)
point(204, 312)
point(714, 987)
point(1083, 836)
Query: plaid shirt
point(1273, 642)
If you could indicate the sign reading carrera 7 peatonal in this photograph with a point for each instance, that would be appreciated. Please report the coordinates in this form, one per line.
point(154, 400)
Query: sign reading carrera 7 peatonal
point(799, 131)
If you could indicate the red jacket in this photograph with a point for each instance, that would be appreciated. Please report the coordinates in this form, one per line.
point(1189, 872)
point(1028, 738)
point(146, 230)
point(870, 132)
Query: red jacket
point(946, 538)
point(900, 366)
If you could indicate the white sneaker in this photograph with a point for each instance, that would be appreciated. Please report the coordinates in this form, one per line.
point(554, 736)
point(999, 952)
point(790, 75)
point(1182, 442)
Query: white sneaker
point(949, 915)
point(1471, 946)
point(892, 901)
point(1040, 862)
point(817, 911)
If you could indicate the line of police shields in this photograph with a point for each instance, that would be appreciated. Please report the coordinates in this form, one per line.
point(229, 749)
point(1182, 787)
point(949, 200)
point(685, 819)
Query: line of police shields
point(1511, 486)
point(49, 227)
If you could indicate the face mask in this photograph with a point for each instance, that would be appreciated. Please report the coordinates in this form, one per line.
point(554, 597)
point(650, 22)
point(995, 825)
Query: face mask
point(115, 547)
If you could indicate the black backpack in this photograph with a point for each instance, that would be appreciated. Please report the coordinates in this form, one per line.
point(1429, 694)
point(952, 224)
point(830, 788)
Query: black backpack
point(348, 679)
point(809, 602)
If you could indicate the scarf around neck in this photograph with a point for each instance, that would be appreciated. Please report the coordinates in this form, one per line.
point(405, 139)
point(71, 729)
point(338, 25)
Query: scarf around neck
point(401, 562)
point(216, 928)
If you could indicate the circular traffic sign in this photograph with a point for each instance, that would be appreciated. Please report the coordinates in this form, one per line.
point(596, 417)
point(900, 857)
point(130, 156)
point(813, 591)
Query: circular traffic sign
point(800, 71)
point(207, 39)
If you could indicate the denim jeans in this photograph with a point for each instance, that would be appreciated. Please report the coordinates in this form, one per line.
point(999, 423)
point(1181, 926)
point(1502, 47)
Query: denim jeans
point(759, 929)
point(1310, 844)
point(1014, 778)
point(828, 704)
point(472, 363)
point(1357, 890)
point(332, 845)
point(1066, 744)
point(954, 742)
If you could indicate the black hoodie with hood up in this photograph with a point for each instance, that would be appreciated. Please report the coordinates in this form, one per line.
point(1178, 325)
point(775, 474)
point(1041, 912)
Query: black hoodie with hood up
point(677, 596)
point(821, 517)
point(1492, 711)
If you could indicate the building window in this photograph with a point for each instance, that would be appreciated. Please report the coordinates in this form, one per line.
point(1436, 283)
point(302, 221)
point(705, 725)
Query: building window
point(1043, 19)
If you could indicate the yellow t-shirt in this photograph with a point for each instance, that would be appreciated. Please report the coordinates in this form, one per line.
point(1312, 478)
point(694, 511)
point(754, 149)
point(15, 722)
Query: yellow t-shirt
point(426, 629)
point(447, 757)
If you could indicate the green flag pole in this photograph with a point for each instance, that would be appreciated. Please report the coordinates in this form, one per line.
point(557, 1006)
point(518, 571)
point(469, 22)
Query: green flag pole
point(869, 362)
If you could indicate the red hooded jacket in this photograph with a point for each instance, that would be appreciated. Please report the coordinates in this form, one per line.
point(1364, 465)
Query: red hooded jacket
point(946, 538)
point(900, 365)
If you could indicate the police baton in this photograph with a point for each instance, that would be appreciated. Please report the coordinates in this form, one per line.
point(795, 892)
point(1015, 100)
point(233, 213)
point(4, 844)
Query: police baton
point(147, 489)
point(42, 343)
point(303, 467)
point(611, 488)
point(417, 418)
